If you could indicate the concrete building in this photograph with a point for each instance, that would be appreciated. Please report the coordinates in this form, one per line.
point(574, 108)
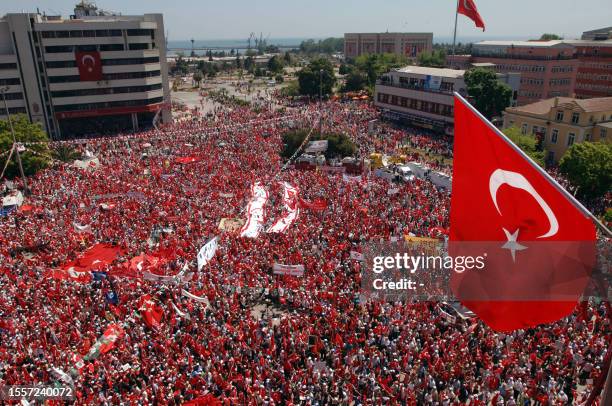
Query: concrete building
point(548, 68)
point(94, 72)
point(423, 97)
point(560, 122)
point(399, 43)
point(594, 77)
point(600, 34)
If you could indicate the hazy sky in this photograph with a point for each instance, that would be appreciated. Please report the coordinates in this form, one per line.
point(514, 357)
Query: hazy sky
point(220, 19)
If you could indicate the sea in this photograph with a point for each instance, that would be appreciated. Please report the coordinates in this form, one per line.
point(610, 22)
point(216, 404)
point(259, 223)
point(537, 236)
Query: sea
point(240, 45)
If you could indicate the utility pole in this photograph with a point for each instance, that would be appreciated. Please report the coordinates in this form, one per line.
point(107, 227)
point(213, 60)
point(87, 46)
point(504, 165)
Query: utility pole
point(321, 102)
point(8, 117)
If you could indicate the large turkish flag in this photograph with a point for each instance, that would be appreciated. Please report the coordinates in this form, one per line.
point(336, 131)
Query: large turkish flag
point(539, 247)
point(468, 9)
point(90, 65)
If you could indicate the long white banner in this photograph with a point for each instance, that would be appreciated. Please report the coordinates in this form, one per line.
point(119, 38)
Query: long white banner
point(255, 212)
point(290, 200)
point(291, 270)
point(207, 252)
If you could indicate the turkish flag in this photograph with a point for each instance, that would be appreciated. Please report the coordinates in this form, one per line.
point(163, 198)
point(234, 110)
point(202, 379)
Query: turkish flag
point(538, 248)
point(90, 65)
point(150, 311)
point(468, 9)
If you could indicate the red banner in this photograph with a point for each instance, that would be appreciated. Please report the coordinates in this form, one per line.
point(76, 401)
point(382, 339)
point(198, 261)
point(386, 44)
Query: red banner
point(90, 65)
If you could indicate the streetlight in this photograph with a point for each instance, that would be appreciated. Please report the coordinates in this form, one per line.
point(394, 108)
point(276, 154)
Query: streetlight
point(321, 101)
point(8, 117)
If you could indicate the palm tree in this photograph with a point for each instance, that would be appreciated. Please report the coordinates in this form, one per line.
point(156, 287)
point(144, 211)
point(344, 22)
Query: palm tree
point(65, 153)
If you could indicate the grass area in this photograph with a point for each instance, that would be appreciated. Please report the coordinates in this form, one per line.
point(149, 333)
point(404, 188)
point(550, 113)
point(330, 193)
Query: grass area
point(428, 155)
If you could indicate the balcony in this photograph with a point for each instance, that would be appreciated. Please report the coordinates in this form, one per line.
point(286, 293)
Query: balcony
point(413, 87)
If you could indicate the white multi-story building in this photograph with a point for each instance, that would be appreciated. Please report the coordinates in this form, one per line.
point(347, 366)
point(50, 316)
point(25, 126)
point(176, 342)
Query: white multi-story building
point(95, 72)
point(423, 97)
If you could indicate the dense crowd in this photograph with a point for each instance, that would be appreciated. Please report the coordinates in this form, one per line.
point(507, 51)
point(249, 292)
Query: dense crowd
point(257, 338)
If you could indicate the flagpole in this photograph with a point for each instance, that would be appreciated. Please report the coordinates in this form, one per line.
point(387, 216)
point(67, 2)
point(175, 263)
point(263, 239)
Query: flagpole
point(455, 34)
point(538, 168)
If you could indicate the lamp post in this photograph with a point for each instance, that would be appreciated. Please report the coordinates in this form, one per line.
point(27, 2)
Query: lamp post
point(321, 102)
point(8, 117)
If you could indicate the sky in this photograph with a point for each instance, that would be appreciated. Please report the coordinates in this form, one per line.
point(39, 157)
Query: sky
point(235, 19)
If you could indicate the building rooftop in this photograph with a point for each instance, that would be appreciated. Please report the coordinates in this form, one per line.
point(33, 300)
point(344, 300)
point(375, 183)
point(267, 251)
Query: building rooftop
point(443, 72)
point(583, 42)
point(588, 105)
point(484, 64)
point(530, 44)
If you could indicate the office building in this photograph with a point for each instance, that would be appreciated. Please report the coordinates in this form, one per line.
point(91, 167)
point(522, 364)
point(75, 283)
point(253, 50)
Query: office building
point(409, 45)
point(94, 72)
point(423, 97)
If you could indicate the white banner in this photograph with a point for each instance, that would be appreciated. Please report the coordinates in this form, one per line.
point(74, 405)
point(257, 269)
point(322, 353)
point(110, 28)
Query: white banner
point(291, 270)
point(349, 178)
point(207, 252)
point(255, 212)
point(393, 191)
point(180, 313)
point(316, 146)
point(196, 298)
point(159, 278)
point(290, 200)
point(82, 229)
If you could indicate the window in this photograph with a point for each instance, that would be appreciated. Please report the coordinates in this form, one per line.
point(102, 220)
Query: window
point(575, 118)
point(602, 133)
point(559, 116)
point(111, 47)
point(570, 139)
point(553, 136)
point(134, 47)
point(524, 129)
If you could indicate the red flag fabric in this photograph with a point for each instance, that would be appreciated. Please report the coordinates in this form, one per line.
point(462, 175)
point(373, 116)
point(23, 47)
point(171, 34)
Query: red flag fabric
point(468, 9)
point(150, 311)
point(187, 160)
point(317, 204)
point(90, 65)
point(206, 400)
point(96, 257)
point(540, 246)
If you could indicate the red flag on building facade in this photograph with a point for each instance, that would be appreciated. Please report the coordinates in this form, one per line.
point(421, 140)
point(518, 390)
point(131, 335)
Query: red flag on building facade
point(538, 242)
point(150, 311)
point(90, 65)
point(468, 9)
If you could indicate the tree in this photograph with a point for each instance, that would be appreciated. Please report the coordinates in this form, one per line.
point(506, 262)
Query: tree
point(197, 77)
point(275, 65)
point(490, 96)
point(181, 66)
point(287, 58)
point(249, 64)
point(549, 37)
point(65, 153)
point(528, 144)
point(339, 145)
point(435, 58)
point(311, 77)
point(238, 62)
point(588, 165)
point(344, 69)
point(372, 66)
point(355, 81)
point(36, 156)
point(210, 55)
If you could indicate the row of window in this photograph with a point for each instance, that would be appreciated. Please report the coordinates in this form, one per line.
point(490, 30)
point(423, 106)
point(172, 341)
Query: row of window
point(558, 69)
point(558, 93)
point(13, 110)
point(531, 94)
point(532, 81)
point(13, 96)
point(97, 33)
point(105, 105)
point(105, 62)
point(106, 90)
point(414, 104)
point(593, 76)
point(592, 86)
point(560, 82)
point(9, 81)
point(107, 76)
point(7, 66)
point(596, 65)
point(520, 68)
point(54, 49)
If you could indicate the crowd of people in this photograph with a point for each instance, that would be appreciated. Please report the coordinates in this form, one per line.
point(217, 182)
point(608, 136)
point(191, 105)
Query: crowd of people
point(256, 337)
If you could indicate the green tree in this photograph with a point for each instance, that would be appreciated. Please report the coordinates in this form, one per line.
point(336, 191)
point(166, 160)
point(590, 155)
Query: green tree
point(355, 81)
point(344, 69)
point(435, 58)
point(35, 157)
point(490, 96)
point(311, 76)
point(339, 145)
point(372, 66)
point(287, 58)
point(588, 165)
point(275, 65)
point(65, 153)
point(527, 143)
point(238, 62)
point(249, 64)
point(181, 66)
point(549, 37)
point(197, 77)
